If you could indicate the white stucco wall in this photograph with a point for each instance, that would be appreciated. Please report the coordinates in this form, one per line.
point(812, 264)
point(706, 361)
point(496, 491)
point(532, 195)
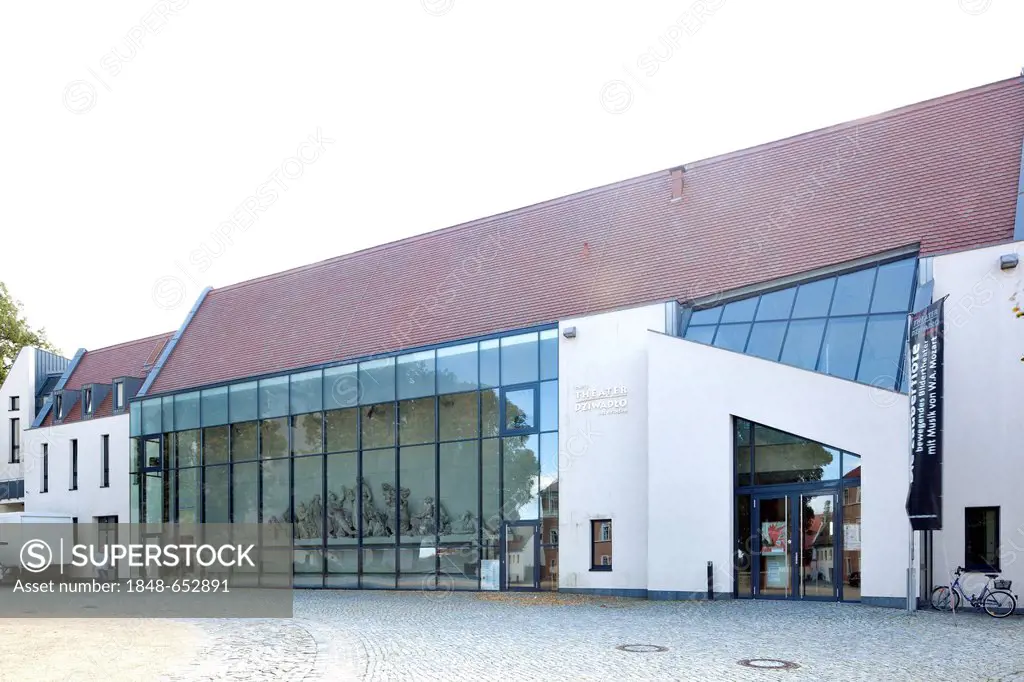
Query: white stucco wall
point(89, 500)
point(603, 457)
point(984, 392)
point(20, 382)
point(694, 390)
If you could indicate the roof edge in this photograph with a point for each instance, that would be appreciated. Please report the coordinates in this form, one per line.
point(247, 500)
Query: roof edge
point(68, 371)
point(170, 345)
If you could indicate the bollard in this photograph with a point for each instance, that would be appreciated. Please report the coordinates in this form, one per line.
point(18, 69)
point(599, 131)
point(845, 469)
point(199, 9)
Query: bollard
point(711, 581)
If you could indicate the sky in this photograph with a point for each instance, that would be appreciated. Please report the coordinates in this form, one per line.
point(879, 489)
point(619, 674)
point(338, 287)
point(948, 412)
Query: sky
point(153, 148)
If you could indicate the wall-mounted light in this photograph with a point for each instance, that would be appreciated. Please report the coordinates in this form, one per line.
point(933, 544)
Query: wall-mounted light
point(1008, 261)
point(569, 332)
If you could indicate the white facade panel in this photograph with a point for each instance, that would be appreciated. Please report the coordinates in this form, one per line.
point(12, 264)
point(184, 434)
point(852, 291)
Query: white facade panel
point(20, 383)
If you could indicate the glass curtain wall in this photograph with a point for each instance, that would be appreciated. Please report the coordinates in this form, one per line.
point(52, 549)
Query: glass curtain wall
point(395, 472)
point(851, 326)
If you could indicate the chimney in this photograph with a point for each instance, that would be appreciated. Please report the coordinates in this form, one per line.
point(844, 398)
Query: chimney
point(677, 184)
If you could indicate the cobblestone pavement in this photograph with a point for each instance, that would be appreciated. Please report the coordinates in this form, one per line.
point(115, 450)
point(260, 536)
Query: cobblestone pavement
point(414, 636)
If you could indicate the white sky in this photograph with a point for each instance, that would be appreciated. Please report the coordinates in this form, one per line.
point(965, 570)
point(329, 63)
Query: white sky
point(441, 111)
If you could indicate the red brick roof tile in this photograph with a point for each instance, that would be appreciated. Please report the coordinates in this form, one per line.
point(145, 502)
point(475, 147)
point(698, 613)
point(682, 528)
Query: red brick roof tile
point(941, 174)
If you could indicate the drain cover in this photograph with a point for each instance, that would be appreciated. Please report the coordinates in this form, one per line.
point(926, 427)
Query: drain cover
point(642, 648)
point(768, 664)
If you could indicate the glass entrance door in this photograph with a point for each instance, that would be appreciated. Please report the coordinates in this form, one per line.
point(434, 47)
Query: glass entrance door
point(519, 557)
point(772, 556)
point(817, 564)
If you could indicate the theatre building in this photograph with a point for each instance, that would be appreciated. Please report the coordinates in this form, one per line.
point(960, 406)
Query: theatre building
point(691, 380)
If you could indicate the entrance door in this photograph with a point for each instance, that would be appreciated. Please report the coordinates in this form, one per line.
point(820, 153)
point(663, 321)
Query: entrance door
point(794, 546)
point(520, 555)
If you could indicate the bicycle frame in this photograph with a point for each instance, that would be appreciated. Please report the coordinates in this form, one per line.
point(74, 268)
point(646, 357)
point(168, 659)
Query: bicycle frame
point(975, 601)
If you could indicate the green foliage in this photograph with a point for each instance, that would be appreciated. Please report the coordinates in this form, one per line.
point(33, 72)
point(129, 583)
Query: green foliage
point(15, 332)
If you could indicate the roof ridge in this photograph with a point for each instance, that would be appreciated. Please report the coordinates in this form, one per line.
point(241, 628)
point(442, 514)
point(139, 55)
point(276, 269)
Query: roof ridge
point(870, 118)
point(124, 344)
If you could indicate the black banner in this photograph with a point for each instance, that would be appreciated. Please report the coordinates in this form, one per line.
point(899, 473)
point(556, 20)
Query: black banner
point(924, 503)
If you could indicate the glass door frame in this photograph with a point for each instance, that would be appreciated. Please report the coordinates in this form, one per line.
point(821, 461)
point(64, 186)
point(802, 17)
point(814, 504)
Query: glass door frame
point(536, 525)
point(793, 495)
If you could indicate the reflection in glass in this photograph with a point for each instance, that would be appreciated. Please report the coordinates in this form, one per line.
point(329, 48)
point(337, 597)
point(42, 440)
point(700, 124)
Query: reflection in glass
point(732, 337)
point(376, 381)
point(309, 500)
point(243, 441)
point(519, 410)
point(776, 305)
point(883, 345)
point(549, 406)
point(215, 445)
point(490, 488)
point(700, 334)
point(520, 478)
point(274, 438)
point(766, 340)
point(489, 362)
point(186, 411)
point(276, 489)
point(853, 293)
point(781, 457)
point(273, 397)
point(519, 359)
point(378, 425)
point(307, 434)
point(803, 340)
point(742, 450)
point(167, 413)
point(851, 543)
point(215, 406)
point(548, 354)
point(341, 386)
point(893, 287)
point(746, 545)
point(459, 489)
point(342, 429)
point(216, 495)
point(706, 316)
point(242, 401)
point(520, 557)
point(457, 416)
point(377, 502)
point(814, 298)
point(840, 352)
point(740, 311)
point(188, 495)
point(851, 465)
point(457, 369)
point(245, 499)
point(306, 392)
point(416, 421)
point(416, 374)
point(816, 558)
point(774, 560)
point(418, 510)
point(343, 498)
point(186, 449)
point(489, 412)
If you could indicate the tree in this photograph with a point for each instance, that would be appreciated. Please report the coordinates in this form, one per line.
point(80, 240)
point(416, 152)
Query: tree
point(15, 332)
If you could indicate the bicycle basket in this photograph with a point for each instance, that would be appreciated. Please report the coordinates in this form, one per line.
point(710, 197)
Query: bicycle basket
point(1002, 584)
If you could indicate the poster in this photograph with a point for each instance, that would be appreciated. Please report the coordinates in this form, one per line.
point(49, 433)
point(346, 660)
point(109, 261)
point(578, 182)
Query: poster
point(851, 537)
point(490, 573)
point(773, 537)
point(924, 501)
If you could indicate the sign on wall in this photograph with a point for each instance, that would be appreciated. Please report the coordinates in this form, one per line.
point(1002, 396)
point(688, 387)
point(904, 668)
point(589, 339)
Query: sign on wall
point(611, 400)
point(924, 502)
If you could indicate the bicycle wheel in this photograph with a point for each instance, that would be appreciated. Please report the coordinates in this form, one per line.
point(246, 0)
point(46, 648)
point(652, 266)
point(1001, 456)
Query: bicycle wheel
point(999, 603)
point(941, 599)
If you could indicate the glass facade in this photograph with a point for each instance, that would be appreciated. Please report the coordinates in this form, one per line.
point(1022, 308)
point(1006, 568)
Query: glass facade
point(395, 472)
point(851, 326)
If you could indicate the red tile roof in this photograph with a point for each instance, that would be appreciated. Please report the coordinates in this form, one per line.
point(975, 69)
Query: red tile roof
point(941, 173)
point(102, 366)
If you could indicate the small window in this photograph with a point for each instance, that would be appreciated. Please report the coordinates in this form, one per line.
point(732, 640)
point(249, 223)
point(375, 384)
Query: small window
point(554, 565)
point(15, 441)
point(601, 545)
point(87, 401)
point(981, 539)
point(15, 403)
point(118, 395)
point(44, 485)
point(73, 483)
point(58, 402)
point(553, 536)
point(105, 461)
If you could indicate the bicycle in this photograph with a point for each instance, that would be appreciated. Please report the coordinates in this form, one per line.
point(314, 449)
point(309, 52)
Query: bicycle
point(997, 602)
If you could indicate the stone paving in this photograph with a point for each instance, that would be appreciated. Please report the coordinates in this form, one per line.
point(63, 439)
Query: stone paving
point(465, 636)
point(485, 636)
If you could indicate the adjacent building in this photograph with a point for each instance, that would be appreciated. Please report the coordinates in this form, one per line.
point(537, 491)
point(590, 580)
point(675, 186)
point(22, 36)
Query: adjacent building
point(691, 382)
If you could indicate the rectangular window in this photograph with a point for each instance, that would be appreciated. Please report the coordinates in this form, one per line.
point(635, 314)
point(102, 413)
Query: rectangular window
point(44, 485)
point(87, 401)
point(981, 539)
point(15, 403)
point(105, 461)
point(15, 441)
point(74, 465)
point(118, 395)
point(601, 545)
point(553, 536)
point(58, 403)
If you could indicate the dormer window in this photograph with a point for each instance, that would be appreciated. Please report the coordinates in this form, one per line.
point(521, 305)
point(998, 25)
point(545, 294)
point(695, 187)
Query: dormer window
point(119, 395)
point(87, 401)
point(59, 404)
